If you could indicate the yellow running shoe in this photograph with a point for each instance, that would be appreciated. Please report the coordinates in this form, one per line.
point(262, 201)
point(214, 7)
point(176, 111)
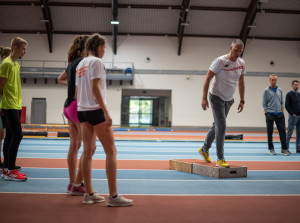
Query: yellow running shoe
point(222, 163)
point(205, 155)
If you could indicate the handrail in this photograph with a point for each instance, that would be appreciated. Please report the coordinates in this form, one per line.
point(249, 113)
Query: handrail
point(64, 64)
point(53, 68)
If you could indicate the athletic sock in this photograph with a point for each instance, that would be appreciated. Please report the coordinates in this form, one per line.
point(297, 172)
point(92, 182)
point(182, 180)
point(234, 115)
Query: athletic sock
point(113, 197)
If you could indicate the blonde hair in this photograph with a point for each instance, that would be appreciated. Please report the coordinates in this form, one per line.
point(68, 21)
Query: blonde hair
point(17, 41)
point(273, 75)
point(4, 52)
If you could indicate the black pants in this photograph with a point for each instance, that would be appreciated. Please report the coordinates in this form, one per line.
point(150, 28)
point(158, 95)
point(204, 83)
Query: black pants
point(280, 123)
point(13, 137)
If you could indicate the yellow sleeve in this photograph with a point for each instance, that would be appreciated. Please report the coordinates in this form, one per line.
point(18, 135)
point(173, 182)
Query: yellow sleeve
point(5, 70)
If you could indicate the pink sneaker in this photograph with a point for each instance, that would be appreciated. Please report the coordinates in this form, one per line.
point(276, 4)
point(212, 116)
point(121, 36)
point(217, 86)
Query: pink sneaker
point(78, 191)
point(69, 188)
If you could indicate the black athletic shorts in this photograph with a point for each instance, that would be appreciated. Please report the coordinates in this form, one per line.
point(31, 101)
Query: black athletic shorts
point(93, 117)
point(3, 121)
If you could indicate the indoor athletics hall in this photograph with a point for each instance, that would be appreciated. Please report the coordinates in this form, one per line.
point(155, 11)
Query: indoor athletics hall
point(159, 55)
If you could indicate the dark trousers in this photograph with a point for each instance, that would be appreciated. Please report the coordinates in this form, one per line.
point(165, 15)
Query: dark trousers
point(13, 137)
point(280, 123)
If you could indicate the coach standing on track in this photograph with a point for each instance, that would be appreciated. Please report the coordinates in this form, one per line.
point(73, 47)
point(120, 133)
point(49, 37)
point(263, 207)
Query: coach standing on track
point(228, 72)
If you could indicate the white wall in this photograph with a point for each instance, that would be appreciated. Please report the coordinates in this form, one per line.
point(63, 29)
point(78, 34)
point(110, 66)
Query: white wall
point(197, 54)
point(187, 95)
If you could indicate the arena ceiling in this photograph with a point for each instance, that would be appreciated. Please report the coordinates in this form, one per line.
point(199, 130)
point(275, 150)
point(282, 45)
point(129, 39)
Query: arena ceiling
point(244, 19)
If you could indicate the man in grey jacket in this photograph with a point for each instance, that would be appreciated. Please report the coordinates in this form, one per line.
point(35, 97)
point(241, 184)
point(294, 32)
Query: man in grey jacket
point(274, 112)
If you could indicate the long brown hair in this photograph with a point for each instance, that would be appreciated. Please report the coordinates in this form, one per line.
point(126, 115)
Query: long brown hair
point(77, 46)
point(4, 52)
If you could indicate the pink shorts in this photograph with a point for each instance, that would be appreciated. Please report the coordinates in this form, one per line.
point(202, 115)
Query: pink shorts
point(71, 112)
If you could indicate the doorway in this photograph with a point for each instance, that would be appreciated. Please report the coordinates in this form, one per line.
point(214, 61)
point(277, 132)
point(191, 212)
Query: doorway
point(140, 111)
point(142, 108)
point(38, 111)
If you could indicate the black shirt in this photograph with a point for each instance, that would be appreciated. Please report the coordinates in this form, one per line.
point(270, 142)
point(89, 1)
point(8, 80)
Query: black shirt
point(71, 76)
point(292, 103)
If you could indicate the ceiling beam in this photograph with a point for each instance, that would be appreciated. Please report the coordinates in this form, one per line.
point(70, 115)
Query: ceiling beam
point(19, 3)
point(137, 6)
point(279, 11)
point(114, 6)
point(182, 22)
point(48, 22)
point(150, 34)
point(251, 13)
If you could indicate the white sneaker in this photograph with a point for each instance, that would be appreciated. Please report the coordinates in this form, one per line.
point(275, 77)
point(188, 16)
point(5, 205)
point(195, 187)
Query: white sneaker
point(95, 198)
point(285, 152)
point(119, 201)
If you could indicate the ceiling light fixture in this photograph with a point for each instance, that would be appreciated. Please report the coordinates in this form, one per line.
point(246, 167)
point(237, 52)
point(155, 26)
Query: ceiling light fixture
point(251, 26)
point(185, 24)
point(114, 22)
point(44, 20)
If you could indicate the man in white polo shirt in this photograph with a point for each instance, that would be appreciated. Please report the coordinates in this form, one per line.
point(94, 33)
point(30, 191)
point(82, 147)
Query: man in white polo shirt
point(227, 72)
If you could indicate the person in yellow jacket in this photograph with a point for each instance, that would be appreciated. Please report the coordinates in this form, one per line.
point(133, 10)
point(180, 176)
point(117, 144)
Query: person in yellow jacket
point(11, 105)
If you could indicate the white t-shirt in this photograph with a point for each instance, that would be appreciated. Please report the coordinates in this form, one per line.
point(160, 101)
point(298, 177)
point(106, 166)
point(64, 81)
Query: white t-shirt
point(227, 76)
point(88, 69)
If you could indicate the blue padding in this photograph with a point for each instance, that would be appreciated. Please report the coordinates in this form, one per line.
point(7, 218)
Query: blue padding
point(138, 129)
point(39, 127)
point(164, 130)
point(28, 126)
point(121, 129)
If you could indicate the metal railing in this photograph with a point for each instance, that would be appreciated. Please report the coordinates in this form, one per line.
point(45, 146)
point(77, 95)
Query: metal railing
point(52, 69)
point(41, 68)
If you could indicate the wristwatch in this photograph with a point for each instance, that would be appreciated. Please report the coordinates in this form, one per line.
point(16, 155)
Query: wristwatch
point(241, 101)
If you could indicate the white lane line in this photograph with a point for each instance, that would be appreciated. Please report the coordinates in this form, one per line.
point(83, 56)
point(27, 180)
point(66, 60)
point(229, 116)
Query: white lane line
point(99, 169)
point(166, 180)
point(141, 155)
point(175, 195)
point(102, 157)
point(156, 150)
